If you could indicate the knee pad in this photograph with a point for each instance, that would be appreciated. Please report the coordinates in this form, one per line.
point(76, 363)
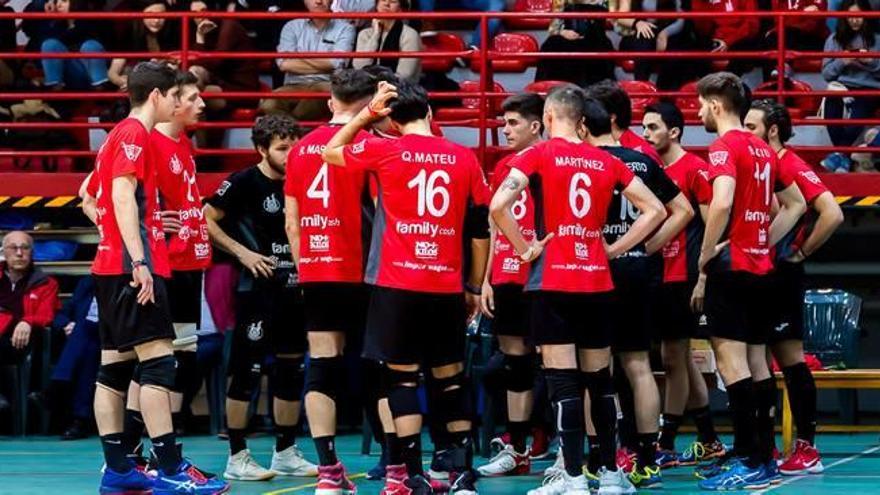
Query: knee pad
point(326, 376)
point(599, 383)
point(186, 370)
point(454, 398)
point(288, 378)
point(159, 372)
point(403, 396)
point(117, 376)
point(520, 373)
point(562, 384)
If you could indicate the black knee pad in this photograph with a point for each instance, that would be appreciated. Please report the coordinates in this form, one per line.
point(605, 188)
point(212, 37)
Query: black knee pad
point(520, 372)
point(288, 378)
point(117, 376)
point(326, 376)
point(187, 364)
point(403, 396)
point(568, 404)
point(598, 383)
point(454, 398)
point(159, 372)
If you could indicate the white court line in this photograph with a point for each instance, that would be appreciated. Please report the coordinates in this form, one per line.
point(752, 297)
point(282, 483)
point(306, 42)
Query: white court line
point(832, 465)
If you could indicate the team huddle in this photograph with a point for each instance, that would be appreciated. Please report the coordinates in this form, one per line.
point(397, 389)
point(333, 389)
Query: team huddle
point(374, 233)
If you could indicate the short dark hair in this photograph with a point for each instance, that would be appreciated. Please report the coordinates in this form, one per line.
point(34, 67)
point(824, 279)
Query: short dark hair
point(569, 99)
point(614, 99)
point(596, 117)
point(411, 103)
point(669, 114)
point(775, 113)
point(187, 78)
point(382, 73)
point(352, 85)
point(529, 105)
point(147, 76)
point(728, 88)
point(275, 126)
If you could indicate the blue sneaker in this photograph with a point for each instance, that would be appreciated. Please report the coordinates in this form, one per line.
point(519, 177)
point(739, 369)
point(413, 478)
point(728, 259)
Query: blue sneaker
point(134, 482)
point(737, 476)
point(188, 480)
point(666, 458)
point(771, 470)
point(713, 469)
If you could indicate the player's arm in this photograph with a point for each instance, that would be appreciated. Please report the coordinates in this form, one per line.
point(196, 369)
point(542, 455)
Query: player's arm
point(258, 264)
point(680, 213)
point(89, 202)
point(292, 227)
point(717, 217)
point(791, 207)
point(125, 208)
point(499, 209)
point(487, 293)
point(651, 214)
point(830, 217)
point(377, 109)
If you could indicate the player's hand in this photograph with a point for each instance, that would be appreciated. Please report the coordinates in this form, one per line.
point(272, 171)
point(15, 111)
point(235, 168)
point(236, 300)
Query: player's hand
point(259, 265)
point(698, 297)
point(645, 29)
point(21, 335)
point(472, 303)
point(536, 248)
point(797, 257)
point(205, 27)
point(141, 277)
point(378, 107)
point(720, 46)
point(570, 35)
point(662, 41)
point(707, 256)
point(68, 329)
point(171, 223)
point(487, 300)
point(611, 252)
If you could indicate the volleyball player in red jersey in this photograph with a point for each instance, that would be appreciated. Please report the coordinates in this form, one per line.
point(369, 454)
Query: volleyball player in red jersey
point(619, 105)
point(770, 121)
point(744, 173)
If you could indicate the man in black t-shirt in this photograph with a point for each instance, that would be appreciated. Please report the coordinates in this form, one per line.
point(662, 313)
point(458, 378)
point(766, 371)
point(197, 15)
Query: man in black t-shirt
point(636, 274)
point(270, 317)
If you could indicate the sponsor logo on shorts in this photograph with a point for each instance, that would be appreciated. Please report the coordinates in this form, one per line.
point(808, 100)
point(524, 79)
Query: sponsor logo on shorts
point(427, 250)
point(319, 242)
point(255, 331)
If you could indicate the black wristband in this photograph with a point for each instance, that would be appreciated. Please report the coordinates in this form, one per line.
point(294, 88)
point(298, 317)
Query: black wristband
point(473, 290)
point(137, 263)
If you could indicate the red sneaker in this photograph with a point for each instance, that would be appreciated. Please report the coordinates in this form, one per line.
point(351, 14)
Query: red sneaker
point(438, 486)
point(332, 481)
point(804, 460)
point(626, 459)
point(540, 447)
point(398, 483)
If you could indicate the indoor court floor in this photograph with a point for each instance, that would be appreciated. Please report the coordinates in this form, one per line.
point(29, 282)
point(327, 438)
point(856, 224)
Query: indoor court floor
point(40, 465)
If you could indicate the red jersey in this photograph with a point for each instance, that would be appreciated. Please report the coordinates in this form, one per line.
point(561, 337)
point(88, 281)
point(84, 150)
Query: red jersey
point(190, 248)
point(731, 30)
point(633, 141)
point(572, 184)
point(507, 266)
point(813, 26)
point(426, 185)
point(680, 255)
point(334, 208)
point(753, 164)
point(811, 187)
point(125, 152)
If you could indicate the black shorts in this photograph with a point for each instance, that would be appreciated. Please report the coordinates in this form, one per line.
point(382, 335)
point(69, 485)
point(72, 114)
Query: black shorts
point(123, 323)
point(738, 306)
point(632, 321)
point(511, 311)
point(406, 327)
point(674, 318)
point(335, 307)
point(788, 305)
point(570, 318)
point(270, 321)
point(185, 296)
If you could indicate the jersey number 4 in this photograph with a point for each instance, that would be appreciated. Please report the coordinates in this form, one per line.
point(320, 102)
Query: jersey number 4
point(319, 189)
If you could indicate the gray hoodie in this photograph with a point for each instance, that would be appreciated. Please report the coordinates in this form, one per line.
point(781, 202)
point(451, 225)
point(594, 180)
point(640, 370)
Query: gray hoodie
point(852, 74)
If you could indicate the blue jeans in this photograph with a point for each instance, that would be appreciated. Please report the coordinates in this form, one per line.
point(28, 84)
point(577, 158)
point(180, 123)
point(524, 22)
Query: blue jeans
point(474, 5)
point(78, 365)
point(80, 73)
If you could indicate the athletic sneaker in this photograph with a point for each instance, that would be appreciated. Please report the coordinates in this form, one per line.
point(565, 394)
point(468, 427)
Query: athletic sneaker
point(737, 476)
point(377, 472)
point(614, 483)
point(507, 462)
point(557, 467)
point(332, 481)
point(398, 483)
point(540, 446)
point(133, 482)
point(291, 462)
point(187, 481)
point(804, 460)
point(647, 477)
point(771, 470)
point(666, 458)
point(439, 486)
point(498, 443)
point(152, 465)
point(441, 464)
point(592, 479)
point(243, 467)
point(701, 452)
point(714, 468)
point(563, 484)
point(464, 483)
point(626, 459)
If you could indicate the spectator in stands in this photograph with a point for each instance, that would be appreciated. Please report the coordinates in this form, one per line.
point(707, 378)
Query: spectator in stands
point(311, 75)
point(834, 5)
point(72, 35)
point(856, 35)
point(472, 5)
point(343, 6)
point(28, 299)
point(144, 35)
point(648, 35)
point(577, 35)
point(801, 33)
point(722, 34)
point(8, 68)
point(390, 35)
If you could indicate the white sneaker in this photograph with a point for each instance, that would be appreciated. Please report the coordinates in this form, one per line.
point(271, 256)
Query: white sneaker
point(614, 483)
point(243, 467)
point(291, 462)
point(557, 467)
point(508, 461)
point(563, 484)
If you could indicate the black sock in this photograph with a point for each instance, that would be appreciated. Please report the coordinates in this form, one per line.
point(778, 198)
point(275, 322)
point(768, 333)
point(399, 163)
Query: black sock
point(671, 422)
point(326, 447)
point(568, 407)
point(519, 431)
point(647, 452)
point(237, 443)
point(115, 452)
point(604, 413)
point(463, 450)
point(744, 411)
point(177, 421)
point(594, 458)
point(392, 443)
point(165, 447)
point(802, 394)
point(627, 422)
point(702, 417)
point(285, 437)
point(133, 430)
point(411, 453)
point(765, 398)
